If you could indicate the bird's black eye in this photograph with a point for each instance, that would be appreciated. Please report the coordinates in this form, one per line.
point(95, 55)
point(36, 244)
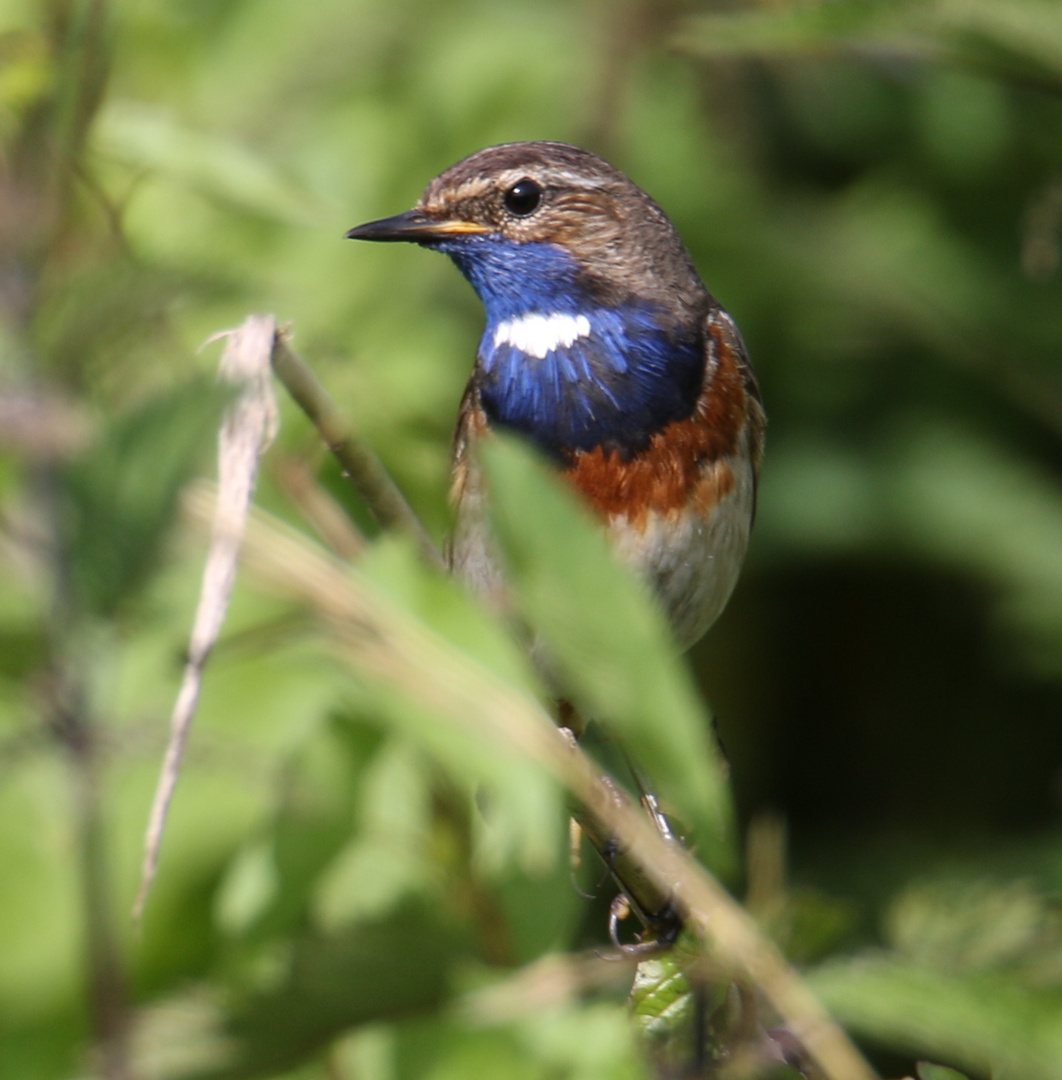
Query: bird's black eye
point(523, 197)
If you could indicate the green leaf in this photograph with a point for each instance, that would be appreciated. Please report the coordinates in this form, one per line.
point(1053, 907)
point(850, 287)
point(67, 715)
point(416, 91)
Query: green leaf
point(793, 28)
point(120, 497)
point(928, 1071)
point(389, 856)
point(386, 969)
point(456, 649)
point(1017, 41)
point(606, 638)
point(152, 139)
point(673, 1005)
point(662, 999)
point(988, 1023)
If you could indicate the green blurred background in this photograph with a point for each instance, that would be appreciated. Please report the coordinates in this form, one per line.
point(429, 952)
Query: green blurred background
point(873, 190)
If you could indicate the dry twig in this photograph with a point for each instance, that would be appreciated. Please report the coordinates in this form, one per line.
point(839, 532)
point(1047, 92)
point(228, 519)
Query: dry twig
point(249, 427)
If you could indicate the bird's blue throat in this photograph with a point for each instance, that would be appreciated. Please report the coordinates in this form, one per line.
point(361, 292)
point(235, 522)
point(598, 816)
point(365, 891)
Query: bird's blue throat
point(563, 367)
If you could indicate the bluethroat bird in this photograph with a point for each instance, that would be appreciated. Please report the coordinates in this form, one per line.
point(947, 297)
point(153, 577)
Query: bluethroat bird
point(603, 347)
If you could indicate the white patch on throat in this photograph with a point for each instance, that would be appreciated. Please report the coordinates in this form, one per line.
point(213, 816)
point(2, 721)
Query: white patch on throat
point(536, 335)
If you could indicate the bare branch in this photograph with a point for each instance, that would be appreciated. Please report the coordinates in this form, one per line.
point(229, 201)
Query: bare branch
point(359, 464)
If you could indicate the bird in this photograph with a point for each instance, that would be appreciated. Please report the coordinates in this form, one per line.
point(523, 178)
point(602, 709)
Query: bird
point(604, 348)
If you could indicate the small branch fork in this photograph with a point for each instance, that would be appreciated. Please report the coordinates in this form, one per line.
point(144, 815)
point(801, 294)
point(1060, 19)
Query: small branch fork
point(359, 464)
point(656, 870)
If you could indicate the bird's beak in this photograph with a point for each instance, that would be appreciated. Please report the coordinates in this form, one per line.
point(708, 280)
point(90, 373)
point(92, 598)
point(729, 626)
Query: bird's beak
point(415, 227)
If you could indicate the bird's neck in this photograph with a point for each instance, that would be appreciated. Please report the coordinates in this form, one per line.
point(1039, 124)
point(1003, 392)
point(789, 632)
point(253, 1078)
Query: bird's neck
point(565, 366)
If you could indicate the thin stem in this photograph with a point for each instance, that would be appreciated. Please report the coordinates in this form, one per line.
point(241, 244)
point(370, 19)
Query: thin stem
point(108, 1003)
point(69, 719)
point(359, 464)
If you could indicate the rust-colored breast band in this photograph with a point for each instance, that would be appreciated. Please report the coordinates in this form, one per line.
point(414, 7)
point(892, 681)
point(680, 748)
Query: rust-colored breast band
point(686, 463)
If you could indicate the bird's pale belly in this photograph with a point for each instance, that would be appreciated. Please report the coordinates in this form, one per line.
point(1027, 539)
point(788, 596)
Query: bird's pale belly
point(690, 556)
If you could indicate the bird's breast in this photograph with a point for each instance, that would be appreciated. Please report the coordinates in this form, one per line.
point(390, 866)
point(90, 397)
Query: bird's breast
point(680, 510)
point(574, 378)
point(686, 462)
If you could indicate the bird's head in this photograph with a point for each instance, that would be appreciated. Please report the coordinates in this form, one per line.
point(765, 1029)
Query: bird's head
point(536, 222)
point(595, 311)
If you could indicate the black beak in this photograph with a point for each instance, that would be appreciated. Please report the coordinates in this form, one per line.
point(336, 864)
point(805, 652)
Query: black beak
point(415, 227)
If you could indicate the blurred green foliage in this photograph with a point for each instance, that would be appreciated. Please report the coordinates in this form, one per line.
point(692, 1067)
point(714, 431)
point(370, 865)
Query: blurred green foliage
point(874, 190)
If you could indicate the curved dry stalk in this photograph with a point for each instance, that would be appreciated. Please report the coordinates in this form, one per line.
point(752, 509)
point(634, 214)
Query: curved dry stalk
point(248, 428)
